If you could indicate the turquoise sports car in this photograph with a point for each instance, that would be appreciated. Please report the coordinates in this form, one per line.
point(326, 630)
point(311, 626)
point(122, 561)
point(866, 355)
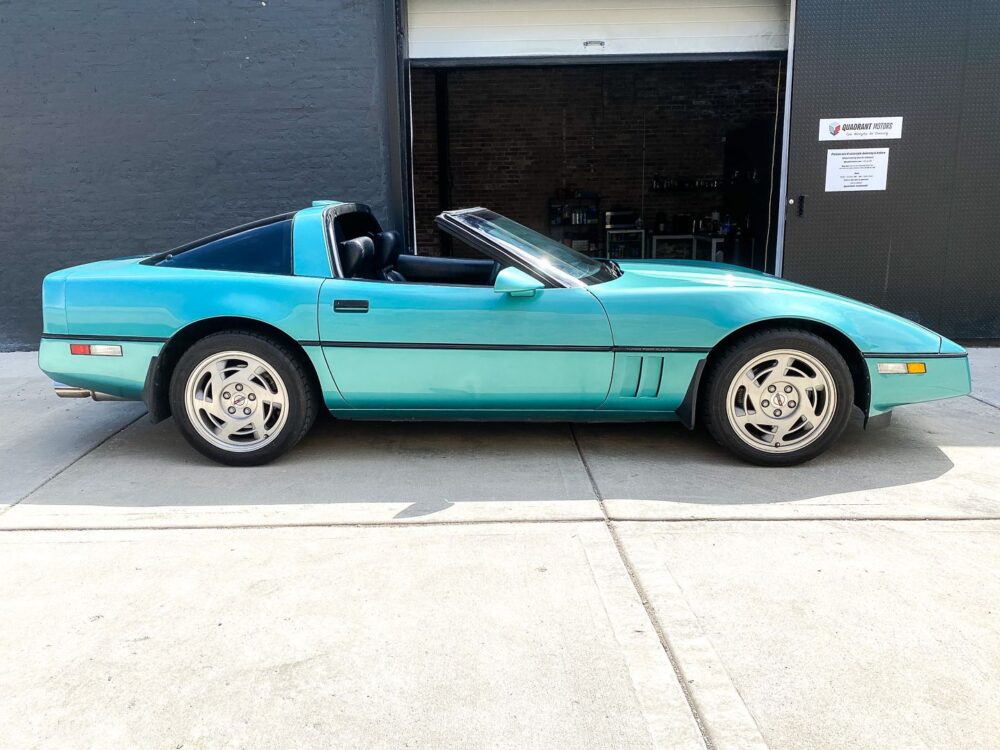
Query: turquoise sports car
point(245, 335)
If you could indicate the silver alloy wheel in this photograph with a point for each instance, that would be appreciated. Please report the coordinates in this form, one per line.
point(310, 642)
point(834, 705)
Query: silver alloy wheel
point(781, 401)
point(236, 401)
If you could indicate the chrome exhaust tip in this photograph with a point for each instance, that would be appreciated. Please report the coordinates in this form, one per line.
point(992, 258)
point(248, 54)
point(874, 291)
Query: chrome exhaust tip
point(71, 391)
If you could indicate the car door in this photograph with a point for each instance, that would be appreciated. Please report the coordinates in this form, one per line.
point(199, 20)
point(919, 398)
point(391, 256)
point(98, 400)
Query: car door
point(415, 346)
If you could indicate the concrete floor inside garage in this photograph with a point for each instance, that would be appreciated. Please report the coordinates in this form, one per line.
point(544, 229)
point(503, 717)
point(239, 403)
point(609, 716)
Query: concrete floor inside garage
point(464, 585)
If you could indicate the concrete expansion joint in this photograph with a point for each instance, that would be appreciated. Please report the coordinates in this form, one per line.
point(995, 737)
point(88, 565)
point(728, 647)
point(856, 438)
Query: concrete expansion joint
point(640, 592)
point(802, 519)
point(480, 522)
point(974, 397)
point(71, 464)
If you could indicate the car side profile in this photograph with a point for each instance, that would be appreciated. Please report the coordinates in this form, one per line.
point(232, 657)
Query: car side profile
point(244, 336)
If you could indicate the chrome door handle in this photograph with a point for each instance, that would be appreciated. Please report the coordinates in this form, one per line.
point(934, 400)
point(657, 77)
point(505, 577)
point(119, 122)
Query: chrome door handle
point(350, 305)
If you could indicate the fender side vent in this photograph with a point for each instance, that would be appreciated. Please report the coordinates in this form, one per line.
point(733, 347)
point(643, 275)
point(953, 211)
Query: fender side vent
point(640, 376)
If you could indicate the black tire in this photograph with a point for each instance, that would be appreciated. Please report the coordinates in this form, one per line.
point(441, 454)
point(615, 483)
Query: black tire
point(302, 398)
point(731, 362)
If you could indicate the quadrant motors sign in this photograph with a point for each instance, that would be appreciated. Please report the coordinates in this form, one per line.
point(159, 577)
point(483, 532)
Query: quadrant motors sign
point(860, 128)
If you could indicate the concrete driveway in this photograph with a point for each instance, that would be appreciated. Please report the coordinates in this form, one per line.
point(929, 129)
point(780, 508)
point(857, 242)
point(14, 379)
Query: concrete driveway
point(443, 585)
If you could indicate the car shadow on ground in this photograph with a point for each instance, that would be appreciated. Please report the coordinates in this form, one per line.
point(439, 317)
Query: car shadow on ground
point(948, 445)
point(666, 462)
point(432, 466)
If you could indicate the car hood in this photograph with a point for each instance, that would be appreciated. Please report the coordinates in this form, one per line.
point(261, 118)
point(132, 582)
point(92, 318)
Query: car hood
point(703, 274)
point(686, 303)
point(684, 273)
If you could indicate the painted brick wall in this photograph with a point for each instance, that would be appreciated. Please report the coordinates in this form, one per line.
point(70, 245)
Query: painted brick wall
point(517, 135)
point(129, 126)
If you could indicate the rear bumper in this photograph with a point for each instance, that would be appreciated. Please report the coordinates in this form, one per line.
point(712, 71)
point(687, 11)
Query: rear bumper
point(112, 377)
point(947, 376)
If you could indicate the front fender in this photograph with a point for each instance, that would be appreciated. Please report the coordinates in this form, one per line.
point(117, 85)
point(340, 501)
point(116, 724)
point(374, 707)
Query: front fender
point(698, 308)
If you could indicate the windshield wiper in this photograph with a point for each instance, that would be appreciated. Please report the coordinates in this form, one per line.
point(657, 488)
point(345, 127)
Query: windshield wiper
point(613, 265)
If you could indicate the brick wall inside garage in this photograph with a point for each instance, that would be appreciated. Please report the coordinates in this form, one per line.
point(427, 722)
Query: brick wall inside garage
point(130, 127)
point(519, 134)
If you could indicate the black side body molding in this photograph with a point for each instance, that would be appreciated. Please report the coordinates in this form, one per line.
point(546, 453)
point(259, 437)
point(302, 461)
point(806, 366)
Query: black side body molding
point(102, 337)
point(913, 355)
point(503, 347)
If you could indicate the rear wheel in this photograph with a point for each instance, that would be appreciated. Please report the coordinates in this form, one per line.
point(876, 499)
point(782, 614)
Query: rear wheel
point(779, 397)
point(241, 398)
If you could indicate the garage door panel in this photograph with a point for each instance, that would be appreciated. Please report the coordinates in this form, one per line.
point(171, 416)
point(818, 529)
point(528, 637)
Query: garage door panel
point(545, 6)
point(624, 19)
point(474, 28)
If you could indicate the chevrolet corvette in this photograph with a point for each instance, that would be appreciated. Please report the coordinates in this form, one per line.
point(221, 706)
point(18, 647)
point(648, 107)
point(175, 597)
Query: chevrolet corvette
point(244, 336)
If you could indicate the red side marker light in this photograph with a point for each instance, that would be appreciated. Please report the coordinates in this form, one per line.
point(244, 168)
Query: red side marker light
point(96, 350)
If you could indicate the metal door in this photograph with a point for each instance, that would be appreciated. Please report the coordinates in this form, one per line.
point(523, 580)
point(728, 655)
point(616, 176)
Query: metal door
point(920, 247)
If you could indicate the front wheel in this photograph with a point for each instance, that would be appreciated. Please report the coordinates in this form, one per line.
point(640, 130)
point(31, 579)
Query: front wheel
point(779, 397)
point(241, 399)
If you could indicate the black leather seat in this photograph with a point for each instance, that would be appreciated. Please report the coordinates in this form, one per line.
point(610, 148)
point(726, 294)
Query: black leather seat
point(434, 270)
point(357, 258)
point(388, 246)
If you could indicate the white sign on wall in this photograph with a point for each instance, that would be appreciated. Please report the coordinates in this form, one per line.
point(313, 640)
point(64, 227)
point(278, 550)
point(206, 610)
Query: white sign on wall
point(850, 169)
point(860, 128)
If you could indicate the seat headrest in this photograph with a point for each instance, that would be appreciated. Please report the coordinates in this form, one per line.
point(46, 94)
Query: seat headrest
point(388, 246)
point(357, 258)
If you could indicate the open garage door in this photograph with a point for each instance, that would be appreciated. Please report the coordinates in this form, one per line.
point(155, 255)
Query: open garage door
point(448, 29)
point(639, 129)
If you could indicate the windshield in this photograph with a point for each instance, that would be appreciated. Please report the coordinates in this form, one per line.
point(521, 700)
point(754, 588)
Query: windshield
point(535, 249)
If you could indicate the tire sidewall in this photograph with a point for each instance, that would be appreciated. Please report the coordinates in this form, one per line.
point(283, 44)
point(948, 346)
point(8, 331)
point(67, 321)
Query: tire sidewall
point(300, 411)
point(737, 357)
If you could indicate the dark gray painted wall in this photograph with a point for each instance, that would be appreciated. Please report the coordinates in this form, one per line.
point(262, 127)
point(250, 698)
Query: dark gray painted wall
point(135, 125)
point(927, 247)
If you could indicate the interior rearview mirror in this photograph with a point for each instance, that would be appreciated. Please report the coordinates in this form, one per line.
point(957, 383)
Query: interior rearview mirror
point(516, 283)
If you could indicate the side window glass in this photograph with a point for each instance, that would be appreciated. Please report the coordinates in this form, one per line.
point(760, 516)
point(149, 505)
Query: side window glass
point(266, 249)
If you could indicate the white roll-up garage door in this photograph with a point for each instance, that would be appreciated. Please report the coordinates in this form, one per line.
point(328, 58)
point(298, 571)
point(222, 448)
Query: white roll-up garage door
point(441, 29)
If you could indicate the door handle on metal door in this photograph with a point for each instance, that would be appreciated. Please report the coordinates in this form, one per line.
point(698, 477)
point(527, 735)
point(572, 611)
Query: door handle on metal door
point(350, 305)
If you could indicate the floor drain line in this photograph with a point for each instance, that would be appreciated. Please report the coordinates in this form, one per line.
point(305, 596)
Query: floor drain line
point(641, 592)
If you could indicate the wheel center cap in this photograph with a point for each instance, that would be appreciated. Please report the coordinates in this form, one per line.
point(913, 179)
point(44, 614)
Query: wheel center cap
point(782, 400)
point(238, 402)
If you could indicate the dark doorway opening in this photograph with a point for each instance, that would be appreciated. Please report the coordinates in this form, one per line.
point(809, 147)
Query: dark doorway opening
point(631, 160)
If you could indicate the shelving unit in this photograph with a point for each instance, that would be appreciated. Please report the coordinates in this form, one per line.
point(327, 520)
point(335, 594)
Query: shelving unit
point(661, 184)
point(626, 244)
point(574, 220)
